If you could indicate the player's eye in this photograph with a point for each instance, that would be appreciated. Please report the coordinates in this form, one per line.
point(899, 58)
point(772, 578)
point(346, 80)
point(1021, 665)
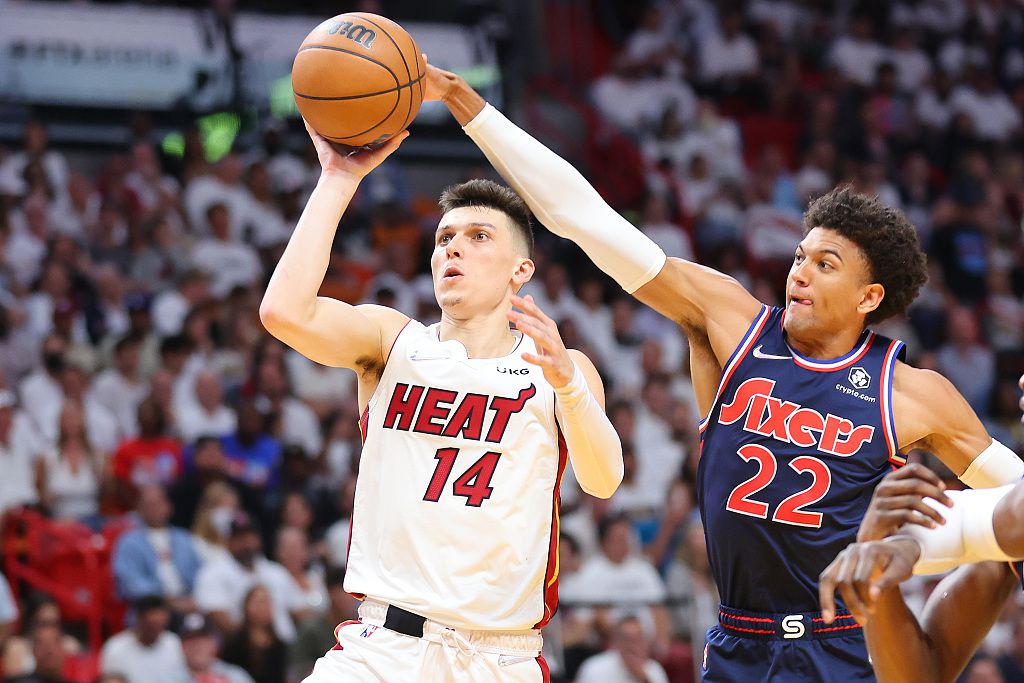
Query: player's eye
point(798, 258)
point(444, 239)
point(825, 265)
point(482, 235)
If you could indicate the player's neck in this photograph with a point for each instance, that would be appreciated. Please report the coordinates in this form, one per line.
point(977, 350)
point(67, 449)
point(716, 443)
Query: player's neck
point(484, 337)
point(823, 346)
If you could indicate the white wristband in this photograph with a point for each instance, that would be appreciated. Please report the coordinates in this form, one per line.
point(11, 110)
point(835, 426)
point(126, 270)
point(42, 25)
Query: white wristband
point(995, 466)
point(967, 536)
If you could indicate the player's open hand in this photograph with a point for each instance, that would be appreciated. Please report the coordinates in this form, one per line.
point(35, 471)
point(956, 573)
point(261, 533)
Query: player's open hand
point(552, 356)
point(899, 500)
point(355, 163)
point(863, 572)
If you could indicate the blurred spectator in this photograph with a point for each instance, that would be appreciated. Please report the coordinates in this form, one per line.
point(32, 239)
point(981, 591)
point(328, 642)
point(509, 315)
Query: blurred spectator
point(254, 456)
point(316, 634)
point(206, 414)
point(41, 392)
point(307, 582)
point(223, 188)
point(120, 388)
point(337, 536)
point(171, 306)
point(224, 582)
point(211, 527)
point(982, 669)
point(101, 426)
point(147, 652)
point(35, 149)
point(69, 475)
point(156, 558)
point(296, 422)
point(255, 646)
point(19, 451)
point(152, 457)
point(629, 662)
point(8, 612)
point(966, 361)
point(619, 576)
point(48, 657)
point(857, 55)
point(728, 54)
point(228, 264)
point(200, 645)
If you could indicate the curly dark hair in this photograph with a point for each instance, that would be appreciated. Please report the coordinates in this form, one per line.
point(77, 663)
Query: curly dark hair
point(489, 194)
point(886, 238)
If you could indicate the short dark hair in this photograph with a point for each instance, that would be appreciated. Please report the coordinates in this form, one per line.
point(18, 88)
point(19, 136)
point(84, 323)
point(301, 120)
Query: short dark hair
point(885, 237)
point(491, 195)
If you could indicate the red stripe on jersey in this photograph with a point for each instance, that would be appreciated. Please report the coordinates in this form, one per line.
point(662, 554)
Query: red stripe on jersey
point(545, 672)
point(364, 422)
point(550, 586)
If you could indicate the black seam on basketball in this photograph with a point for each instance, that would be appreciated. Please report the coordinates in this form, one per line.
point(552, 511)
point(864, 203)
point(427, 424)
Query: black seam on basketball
point(357, 97)
point(408, 74)
point(374, 61)
point(354, 54)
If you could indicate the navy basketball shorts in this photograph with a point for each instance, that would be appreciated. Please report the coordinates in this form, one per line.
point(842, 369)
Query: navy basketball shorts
point(756, 647)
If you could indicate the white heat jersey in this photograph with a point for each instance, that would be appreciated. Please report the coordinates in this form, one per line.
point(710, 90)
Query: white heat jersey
point(456, 504)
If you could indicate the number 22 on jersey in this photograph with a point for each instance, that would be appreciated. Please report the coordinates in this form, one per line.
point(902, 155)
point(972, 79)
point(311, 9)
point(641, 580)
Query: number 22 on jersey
point(791, 510)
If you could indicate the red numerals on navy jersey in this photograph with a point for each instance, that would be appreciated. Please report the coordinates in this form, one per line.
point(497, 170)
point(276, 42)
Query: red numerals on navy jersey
point(791, 510)
point(473, 484)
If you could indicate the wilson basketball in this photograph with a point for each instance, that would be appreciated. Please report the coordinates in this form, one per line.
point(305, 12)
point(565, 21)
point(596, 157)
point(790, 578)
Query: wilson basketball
point(358, 79)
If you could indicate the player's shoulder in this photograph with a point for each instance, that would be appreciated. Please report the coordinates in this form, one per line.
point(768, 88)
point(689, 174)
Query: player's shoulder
point(384, 315)
point(920, 384)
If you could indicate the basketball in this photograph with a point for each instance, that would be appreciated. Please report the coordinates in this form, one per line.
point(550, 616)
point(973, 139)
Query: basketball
point(358, 79)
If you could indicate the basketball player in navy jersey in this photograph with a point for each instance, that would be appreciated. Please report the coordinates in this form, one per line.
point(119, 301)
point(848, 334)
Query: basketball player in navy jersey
point(985, 527)
point(805, 409)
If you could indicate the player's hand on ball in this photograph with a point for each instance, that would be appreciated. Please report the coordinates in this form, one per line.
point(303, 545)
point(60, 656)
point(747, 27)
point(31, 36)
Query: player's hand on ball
point(552, 356)
point(438, 82)
point(356, 163)
point(863, 572)
point(899, 500)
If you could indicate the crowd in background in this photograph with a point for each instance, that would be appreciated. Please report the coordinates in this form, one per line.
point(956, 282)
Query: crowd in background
point(138, 389)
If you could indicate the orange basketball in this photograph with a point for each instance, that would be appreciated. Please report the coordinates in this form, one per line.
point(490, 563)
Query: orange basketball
point(358, 79)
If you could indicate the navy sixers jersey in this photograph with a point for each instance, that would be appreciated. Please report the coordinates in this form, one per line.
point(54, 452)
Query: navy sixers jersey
point(790, 455)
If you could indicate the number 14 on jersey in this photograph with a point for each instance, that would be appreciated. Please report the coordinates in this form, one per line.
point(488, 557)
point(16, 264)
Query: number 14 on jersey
point(474, 484)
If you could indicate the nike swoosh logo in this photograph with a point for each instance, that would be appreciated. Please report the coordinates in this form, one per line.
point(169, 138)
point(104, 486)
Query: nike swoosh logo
point(769, 356)
point(509, 660)
point(427, 356)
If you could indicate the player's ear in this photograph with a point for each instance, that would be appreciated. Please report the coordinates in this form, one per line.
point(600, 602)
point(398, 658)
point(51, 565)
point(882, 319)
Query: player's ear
point(871, 298)
point(523, 272)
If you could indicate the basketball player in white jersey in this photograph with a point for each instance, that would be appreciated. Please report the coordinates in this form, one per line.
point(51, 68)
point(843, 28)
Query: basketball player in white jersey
point(467, 425)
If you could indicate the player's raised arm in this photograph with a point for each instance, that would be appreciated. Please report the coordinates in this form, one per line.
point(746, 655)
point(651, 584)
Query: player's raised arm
point(326, 330)
point(570, 207)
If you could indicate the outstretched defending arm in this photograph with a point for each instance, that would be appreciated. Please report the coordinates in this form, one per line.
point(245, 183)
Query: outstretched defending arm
point(567, 205)
point(326, 330)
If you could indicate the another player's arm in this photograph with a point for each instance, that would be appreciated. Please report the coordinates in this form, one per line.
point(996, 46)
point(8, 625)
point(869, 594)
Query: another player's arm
point(593, 445)
point(932, 415)
point(693, 295)
point(326, 330)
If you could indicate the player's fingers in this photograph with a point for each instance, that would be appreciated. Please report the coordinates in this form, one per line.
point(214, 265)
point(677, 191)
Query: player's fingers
point(868, 564)
point(846, 588)
point(534, 359)
point(893, 574)
point(918, 488)
point(531, 329)
point(912, 509)
point(530, 307)
point(389, 147)
point(827, 591)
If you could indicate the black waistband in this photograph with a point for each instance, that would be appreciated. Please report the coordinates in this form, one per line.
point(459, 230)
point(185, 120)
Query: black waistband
point(795, 626)
point(404, 622)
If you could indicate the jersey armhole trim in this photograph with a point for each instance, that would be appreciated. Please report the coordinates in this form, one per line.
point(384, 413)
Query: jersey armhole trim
point(885, 395)
point(742, 349)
